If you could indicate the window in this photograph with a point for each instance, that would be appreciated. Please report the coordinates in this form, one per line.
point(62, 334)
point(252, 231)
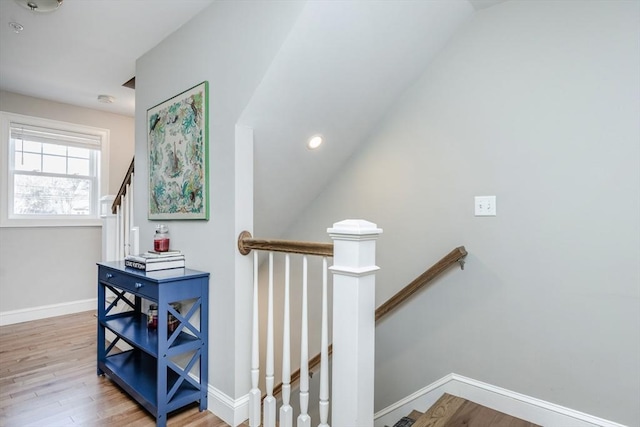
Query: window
point(55, 172)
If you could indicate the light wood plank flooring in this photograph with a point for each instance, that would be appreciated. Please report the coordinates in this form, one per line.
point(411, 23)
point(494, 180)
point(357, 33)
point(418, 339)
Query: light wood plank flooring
point(48, 378)
point(453, 411)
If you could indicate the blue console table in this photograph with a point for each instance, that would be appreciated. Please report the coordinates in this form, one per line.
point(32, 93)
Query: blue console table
point(155, 372)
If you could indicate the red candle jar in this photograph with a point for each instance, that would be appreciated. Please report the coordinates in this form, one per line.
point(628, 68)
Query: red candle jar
point(152, 317)
point(161, 239)
point(172, 321)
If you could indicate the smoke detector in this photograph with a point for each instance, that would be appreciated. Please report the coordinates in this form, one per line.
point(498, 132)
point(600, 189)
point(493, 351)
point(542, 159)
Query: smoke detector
point(106, 99)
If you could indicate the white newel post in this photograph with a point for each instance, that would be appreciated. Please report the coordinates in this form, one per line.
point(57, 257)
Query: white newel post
point(354, 256)
point(109, 229)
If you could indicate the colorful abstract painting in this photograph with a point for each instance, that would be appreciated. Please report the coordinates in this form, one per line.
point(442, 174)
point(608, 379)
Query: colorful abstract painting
point(178, 156)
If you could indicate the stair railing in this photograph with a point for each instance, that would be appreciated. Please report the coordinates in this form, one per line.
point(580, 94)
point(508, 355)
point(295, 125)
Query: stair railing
point(456, 256)
point(119, 236)
point(354, 268)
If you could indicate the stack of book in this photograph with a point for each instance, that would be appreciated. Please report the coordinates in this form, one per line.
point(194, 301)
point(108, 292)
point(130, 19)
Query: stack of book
point(153, 261)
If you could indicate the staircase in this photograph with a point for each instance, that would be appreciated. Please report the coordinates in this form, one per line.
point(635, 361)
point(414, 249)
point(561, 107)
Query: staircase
point(453, 411)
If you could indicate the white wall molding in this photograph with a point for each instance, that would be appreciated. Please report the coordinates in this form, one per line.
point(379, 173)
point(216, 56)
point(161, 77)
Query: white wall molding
point(231, 411)
point(516, 404)
point(44, 311)
point(420, 400)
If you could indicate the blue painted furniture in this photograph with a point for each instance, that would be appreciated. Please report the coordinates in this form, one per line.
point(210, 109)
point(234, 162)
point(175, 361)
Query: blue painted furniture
point(156, 371)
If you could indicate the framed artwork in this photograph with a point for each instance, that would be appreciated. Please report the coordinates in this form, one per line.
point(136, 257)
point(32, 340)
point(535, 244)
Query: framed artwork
point(178, 133)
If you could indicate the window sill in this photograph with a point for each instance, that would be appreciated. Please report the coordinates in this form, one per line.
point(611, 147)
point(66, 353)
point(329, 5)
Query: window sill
point(33, 223)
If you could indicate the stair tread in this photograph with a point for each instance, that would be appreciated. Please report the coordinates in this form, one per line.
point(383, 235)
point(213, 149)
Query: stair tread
point(453, 411)
point(440, 412)
point(409, 420)
point(414, 415)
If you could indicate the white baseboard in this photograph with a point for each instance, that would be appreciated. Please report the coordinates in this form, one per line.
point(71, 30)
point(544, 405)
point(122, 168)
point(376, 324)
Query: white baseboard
point(45, 311)
point(515, 404)
point(421, 400)
point(232, 411)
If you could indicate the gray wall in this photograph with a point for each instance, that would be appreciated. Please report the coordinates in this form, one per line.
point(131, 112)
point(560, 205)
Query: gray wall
point(538, 104)
point(53, 265)
point(230, 44)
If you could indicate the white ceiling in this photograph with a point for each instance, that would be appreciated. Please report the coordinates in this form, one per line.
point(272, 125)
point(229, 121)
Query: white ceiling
point(89, 47)
point(338, 72)
point(483, 4)
point(85, 48)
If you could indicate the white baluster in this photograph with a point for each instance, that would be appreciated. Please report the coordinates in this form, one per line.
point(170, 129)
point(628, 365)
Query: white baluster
point(324, 353)
point(109, 229)
point(119, 254)
point(121, 228)
point(270, 401)
point(131, 192)
point(254, 394)
point(121, 231)
point(303, 419)
point(286, 411)
point(135, 240)
point(125, 220)
point(133, 243)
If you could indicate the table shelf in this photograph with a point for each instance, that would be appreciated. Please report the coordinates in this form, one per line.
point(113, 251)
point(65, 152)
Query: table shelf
point(135, 372)
point(133, 329)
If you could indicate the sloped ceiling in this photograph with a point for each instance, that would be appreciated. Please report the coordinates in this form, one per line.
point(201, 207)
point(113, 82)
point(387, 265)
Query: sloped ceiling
point(483, 4)
point(343, 65)
point(341, 68)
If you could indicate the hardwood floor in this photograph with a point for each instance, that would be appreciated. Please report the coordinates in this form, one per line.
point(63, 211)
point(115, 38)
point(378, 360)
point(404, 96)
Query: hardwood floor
point(48, 378)
point(453, 411)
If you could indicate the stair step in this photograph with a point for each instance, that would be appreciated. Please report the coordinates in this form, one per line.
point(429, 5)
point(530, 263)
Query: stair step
point(409, 420)
point(453, 411)
point(440, 412)
point(414, 415)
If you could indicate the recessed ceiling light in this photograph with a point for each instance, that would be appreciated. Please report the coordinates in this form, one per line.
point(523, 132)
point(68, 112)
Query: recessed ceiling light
point(106, 99)
point(314, 142)
point(40, 5)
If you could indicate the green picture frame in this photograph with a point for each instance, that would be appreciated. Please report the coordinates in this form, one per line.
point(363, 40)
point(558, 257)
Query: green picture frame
point(178, 148)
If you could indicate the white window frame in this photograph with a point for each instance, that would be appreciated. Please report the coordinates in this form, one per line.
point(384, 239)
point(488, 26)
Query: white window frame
point(6, 220)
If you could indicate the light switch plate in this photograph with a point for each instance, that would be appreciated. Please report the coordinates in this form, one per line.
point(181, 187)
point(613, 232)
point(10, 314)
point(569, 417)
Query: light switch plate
point(485, 205)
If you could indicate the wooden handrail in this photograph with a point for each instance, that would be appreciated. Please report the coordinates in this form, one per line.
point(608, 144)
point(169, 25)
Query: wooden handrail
point(455, 256)
point(123, 187)
point(246, 243)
